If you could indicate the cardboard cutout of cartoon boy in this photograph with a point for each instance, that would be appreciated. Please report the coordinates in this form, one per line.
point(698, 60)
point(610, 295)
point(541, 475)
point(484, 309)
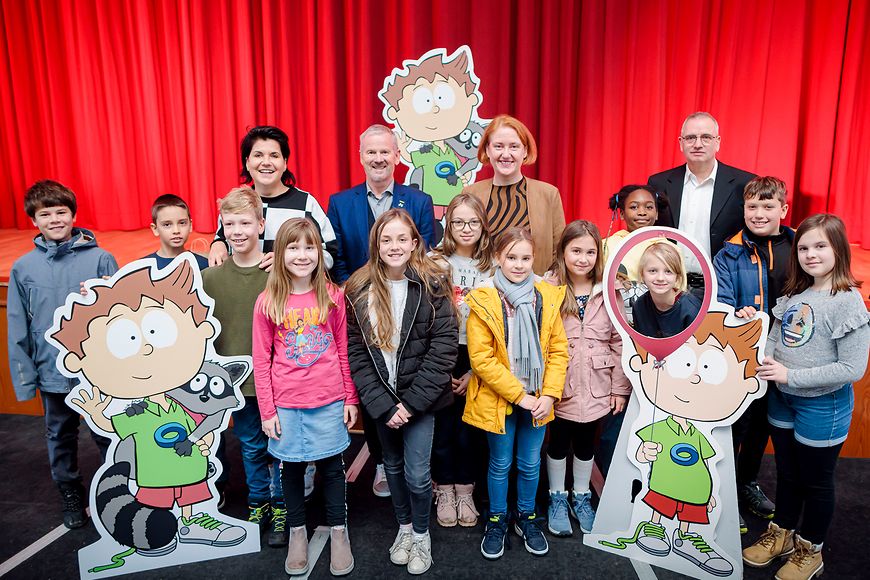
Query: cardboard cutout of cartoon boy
point(676, 444)
point(141, 346)
point(433, 102)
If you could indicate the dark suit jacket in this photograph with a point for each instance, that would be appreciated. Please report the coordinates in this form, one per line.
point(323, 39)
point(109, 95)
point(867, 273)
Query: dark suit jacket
point(352, 220)
point(726, 213)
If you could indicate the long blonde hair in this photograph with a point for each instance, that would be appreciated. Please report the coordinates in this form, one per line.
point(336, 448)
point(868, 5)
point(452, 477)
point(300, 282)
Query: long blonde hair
point(483, 251)
point(374, 276)
point(279, 286)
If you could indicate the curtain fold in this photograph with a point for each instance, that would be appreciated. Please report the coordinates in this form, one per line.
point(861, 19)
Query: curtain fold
point(125, 100)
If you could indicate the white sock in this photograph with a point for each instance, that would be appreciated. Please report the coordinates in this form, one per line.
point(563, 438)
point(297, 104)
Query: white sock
point(582, 474)
point(339, 528)
point(406, 527)
point(422, 536)
point(556, 473)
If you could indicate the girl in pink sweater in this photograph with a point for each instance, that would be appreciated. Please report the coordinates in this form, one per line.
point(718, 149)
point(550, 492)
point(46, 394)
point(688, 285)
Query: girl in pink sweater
point(306, 396)
point(595, 385)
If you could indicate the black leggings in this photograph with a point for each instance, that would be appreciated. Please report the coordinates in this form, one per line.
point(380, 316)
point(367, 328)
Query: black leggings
point(331, 470)
point(804, 484)
point(565, 434)
point(750, 433)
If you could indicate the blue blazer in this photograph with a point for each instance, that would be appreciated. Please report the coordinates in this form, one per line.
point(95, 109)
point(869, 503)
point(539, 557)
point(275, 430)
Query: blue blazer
point(352, 220)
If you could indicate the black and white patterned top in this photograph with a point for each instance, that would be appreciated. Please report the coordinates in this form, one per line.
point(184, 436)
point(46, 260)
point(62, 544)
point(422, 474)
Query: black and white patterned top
point(293, 203)
point(581, 305)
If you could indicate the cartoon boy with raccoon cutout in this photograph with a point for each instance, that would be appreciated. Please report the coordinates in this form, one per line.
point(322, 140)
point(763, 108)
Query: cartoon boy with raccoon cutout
point(709, 379)
point(433, 102)
point(145, 339)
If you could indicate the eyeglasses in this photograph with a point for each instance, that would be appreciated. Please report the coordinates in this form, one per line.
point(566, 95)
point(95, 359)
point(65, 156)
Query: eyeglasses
point(706, 139)
point(459, 225)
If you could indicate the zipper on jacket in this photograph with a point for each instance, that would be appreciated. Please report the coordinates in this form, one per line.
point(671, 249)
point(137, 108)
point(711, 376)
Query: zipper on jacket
point(371, 356)
point(413, 318)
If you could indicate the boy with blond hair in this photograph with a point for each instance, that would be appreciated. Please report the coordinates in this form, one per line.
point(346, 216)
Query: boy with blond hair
point(234, 285)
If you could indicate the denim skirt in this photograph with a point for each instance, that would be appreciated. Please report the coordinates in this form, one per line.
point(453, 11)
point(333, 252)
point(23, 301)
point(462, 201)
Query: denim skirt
point(310, 434)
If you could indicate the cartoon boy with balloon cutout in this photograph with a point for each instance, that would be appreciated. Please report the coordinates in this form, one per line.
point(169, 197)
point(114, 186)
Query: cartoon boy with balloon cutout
point(706, 379)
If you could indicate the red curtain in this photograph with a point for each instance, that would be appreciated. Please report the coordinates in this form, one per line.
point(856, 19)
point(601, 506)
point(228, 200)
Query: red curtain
point(127, 99)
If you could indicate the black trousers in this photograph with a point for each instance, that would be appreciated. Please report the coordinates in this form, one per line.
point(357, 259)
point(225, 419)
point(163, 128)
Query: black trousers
point(804, 485)
point(458, 449)
point(750, 433)
point(331, 470)
point(62, 438)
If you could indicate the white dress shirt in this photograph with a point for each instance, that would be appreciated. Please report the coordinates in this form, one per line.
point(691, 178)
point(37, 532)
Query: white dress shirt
point(695, 209)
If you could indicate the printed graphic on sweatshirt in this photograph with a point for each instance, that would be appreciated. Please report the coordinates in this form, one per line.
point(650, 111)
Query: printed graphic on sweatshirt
point(797, 325)
point(303, 336)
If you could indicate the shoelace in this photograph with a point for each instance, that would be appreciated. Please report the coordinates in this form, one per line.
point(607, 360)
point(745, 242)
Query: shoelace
point(560, 507)
point(204, 521)
point(72, 502)
point(652, 530)
point(418, 550)
point(442, 495)
point(465, 501)
point(768, 539)
point(279, 519)
point(697, 541)
point(586, 507)
point(405, 542)
point(801, 555)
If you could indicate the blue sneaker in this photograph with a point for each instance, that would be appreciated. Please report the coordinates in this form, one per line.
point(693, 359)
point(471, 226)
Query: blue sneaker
point(558, 521)
point(582, 510)
point(528, 527)
point(494, 536)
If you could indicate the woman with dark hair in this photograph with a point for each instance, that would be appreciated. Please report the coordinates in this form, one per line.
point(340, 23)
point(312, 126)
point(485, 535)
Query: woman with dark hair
point(510, 198)
point(264, 153)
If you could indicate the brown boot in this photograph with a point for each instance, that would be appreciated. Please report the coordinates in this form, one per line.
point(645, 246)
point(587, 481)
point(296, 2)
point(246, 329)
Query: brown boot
point(445, 505)
point(466, 513)
point(804, 563)
point(340, 556)
point(297, 552)
point(772, 544)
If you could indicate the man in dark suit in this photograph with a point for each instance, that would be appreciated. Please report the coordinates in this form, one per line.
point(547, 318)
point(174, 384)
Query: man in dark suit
point(706, 196)
point(353, 211)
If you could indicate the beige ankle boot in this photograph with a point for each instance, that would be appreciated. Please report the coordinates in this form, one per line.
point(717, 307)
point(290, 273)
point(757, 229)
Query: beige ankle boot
point(297, 552)
point(466, 512)
point(445, 505)
point(804, 563)
point(772, 544)
point(340, 556)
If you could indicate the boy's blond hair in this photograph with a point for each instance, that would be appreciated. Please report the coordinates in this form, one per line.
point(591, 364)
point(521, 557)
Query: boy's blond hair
point(669, 255)
point(241, 200)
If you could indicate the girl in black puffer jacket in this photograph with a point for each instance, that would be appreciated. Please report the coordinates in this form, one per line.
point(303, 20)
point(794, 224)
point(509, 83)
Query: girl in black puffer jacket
point(402, 346)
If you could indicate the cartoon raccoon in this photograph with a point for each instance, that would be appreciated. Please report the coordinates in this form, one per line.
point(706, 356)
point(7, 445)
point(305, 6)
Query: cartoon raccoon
point(465, 146)
point(210, 395)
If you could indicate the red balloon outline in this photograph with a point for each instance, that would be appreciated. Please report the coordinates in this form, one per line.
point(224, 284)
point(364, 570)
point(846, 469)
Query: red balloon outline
point(658, 347)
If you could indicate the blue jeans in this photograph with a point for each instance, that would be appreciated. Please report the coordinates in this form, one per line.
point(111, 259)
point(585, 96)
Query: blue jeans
point(407, 455)
point(262, 471)
point(529, 439)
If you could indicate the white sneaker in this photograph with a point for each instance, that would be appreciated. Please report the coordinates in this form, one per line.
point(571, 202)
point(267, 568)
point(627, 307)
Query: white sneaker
point(380, 487)
point(310, 470)
point(400, 551)
point(420, 557)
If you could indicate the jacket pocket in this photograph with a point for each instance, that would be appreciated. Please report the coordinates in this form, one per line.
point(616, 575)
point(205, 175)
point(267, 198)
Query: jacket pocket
point(602, 372)
point(575, 367)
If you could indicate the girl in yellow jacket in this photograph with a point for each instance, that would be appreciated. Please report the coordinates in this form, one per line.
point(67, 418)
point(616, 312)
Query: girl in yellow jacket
point(519, 354)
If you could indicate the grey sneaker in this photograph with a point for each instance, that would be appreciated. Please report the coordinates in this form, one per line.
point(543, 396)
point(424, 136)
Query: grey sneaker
point(204, 529)
point(653, 540)
point(400, 551)
point(420, 556)
point(380, 487)
point(692, 547)
point(558, 521)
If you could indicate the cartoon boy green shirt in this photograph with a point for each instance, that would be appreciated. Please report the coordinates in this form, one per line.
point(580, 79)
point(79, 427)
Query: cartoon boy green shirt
point(438, 166)
point(155, 432)
point(681, 471)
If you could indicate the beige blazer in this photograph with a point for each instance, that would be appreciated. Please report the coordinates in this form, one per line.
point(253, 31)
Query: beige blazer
point(546, 217)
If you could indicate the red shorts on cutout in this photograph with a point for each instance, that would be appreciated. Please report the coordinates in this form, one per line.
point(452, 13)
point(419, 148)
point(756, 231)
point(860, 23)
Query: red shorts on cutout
point(669, 507)
point(165, 497)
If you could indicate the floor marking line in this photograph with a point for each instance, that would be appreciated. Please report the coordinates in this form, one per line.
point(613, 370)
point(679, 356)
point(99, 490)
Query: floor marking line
point(315, 548)
point(358, 463)
point(643, 570)
point(34, 548)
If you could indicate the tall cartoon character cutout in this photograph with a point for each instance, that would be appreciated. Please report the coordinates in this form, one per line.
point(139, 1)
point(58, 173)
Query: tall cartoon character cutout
point(141, 346)
point(432, 102)
point(676, 439)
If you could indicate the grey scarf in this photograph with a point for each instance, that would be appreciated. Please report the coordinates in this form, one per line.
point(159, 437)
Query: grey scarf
point(526, 351)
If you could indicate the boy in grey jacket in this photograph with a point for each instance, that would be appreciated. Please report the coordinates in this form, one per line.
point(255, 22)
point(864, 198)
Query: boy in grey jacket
point(39, 283)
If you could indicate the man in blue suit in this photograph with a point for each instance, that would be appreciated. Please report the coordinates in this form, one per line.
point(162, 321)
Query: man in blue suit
point(353, 211)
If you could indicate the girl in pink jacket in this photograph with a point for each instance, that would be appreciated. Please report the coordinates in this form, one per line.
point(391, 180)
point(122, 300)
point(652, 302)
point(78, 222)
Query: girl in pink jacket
point(595, 385)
